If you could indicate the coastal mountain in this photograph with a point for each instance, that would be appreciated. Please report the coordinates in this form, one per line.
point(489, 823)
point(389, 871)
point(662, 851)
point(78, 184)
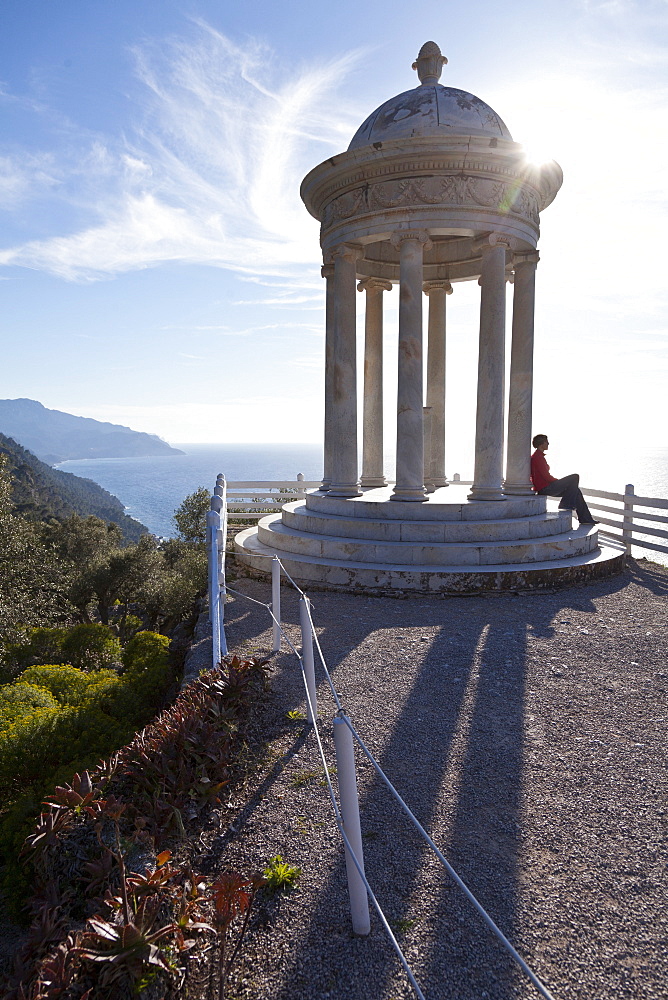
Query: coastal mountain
point(54, 436)
point(41, 493)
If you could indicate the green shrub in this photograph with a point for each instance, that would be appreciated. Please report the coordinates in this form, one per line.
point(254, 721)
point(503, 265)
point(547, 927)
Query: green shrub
point(20, 699)
point(91, 647)
point(73, 716)
point(68, 685)
point(42, 645)
point(72, 720)
point(128, 627)
point(145, 651)
point(32, 747)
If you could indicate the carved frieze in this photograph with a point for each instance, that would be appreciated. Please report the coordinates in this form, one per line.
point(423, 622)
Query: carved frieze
point(510, 197)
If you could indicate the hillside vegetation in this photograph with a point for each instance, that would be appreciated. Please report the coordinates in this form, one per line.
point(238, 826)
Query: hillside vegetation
point(85, 626)
point(40, 493)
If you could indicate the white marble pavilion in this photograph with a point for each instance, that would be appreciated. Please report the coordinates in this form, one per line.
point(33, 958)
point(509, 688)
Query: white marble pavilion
point(432, 191)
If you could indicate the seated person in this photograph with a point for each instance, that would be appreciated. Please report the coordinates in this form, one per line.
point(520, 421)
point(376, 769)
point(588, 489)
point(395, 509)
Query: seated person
point(567, 488)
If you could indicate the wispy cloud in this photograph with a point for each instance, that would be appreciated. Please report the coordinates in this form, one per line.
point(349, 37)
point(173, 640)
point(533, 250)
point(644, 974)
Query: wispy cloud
point(211, 173)
point(227, 331)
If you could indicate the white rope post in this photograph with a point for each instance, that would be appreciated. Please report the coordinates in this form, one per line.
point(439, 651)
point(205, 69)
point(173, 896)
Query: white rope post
point(307, 656)
point(350, 812)
point(276, 603)
point(627, 527)
point(212, 529)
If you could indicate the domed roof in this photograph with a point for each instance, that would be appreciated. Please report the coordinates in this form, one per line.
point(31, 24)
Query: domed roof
point(430, 109)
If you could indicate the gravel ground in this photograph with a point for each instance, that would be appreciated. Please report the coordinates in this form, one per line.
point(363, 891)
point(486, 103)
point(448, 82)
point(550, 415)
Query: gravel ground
point(528, 734)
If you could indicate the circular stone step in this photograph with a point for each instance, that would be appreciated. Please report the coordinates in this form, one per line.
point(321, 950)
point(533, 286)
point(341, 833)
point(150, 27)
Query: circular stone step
point(273, 533)
point(449, 503)
point(381, 579)
point(302, 518)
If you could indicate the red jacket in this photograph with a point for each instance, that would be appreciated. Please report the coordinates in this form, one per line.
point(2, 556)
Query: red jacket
point(540, 471)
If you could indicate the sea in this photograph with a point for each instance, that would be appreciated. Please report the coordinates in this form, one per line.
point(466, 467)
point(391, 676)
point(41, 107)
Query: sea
point(152, 488)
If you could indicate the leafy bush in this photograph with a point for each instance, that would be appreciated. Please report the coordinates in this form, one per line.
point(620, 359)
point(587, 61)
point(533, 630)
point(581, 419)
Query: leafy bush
point(42, 645)
point(33, 746)
point(149, 918)
point(68, 685)
point(128, 627)
point(145, 651)
point(76, 719)
point(91, 647)
point(20, 699)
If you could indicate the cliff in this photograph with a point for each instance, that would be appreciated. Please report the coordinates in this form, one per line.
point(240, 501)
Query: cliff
point(41, 493)
point(54, 436)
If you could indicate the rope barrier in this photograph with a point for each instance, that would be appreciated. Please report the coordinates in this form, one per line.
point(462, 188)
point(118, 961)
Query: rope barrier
point(339, 822)
point(446, 864)
point(337, 815)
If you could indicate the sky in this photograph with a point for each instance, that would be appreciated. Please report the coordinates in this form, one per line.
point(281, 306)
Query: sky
point(159, 270)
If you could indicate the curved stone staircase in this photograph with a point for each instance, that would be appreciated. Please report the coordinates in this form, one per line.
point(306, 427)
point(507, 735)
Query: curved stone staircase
point(448, 544)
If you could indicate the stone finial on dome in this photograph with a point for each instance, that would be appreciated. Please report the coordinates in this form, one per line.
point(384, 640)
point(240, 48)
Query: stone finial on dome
point(429, 64)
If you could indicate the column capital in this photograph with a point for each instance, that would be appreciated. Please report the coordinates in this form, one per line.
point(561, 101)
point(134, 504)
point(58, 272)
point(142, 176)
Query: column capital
point(327, 271)
point(493, 240)
point(347, 251)
point(526, 258)
point(419, 235)
point(368, 284)
point(437, 286)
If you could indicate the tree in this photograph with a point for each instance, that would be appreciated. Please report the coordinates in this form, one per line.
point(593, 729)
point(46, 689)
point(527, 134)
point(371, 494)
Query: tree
point(190, 517)
point(30, 593)
point(126, 575)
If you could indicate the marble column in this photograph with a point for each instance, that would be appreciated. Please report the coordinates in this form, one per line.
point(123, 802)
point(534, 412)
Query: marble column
point(343, 402)
point(488, 468)
point(372, 421)
point(327, 272)
point(518, 462)
point(427, 438)
point(436, 291)
point(410, 442)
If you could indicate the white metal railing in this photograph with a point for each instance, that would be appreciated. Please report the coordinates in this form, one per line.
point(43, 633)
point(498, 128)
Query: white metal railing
point(627, 523)
point(216, 534)
point(249, 501)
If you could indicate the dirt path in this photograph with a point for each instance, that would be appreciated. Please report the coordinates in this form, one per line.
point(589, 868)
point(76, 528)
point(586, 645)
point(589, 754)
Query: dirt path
point(528, 734)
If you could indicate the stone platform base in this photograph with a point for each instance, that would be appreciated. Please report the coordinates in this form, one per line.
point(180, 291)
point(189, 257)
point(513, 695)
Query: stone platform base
point(448, 544)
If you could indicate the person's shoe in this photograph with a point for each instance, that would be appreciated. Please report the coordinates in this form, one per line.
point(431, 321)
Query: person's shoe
point(589, 523)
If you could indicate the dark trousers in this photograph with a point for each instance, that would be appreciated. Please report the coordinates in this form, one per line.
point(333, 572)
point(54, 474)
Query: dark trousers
point(568, 489)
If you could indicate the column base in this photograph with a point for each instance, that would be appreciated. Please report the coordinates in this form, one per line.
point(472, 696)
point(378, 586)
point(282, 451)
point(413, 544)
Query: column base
point(325, 486)
point(344, 490)
point(439, 483)
point(518, 489)
point(486, 493)
point(368, 482)
point(413, 494)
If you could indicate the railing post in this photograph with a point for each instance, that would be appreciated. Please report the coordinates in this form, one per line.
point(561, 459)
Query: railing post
point(212, 528)
point(276, 602)
point(300, 493)
point(456, 478)
point(627, 527)
point(307, 656)
point(222, 592)
point(350, 812)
